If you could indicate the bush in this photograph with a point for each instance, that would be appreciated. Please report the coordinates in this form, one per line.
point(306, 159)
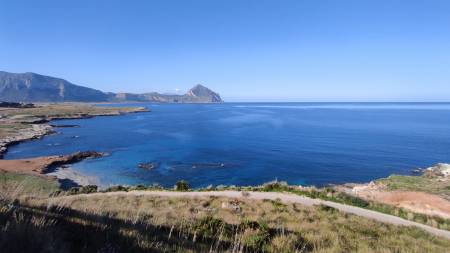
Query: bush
point(117, 188)
point(182, 186)
point(275, 186)
point(88, 189)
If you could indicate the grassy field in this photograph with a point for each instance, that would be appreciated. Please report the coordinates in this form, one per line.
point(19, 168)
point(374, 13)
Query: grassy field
point(417, 183)
point(101, 223)
point(14, 185)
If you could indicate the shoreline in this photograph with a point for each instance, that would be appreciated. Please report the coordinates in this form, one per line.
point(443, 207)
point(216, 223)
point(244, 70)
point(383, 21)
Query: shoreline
point(37, 131)
point(26, 124)
point(68, 178)
point(54, 167)
point(41, 126)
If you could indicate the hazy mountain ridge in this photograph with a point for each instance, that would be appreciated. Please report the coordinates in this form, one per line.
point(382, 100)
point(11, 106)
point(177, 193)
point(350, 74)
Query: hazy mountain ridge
point(198, 94)
point(32, 87)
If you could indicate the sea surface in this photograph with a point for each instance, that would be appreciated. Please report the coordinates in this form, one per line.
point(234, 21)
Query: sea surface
point(252, 143)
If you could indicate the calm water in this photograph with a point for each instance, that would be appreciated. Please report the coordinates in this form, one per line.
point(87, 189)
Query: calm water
point(252, 143)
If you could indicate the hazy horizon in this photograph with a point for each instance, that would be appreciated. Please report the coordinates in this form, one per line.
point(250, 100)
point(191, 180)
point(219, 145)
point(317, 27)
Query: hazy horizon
point(249, 51)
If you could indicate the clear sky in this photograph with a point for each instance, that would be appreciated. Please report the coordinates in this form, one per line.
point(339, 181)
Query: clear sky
point(280, 50)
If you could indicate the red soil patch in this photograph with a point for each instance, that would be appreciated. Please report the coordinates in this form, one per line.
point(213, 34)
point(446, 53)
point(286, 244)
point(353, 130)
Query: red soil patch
point(418, 202)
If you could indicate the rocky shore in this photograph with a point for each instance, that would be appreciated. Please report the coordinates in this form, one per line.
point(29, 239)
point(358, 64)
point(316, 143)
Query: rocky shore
point(22, 124)
point(36, 131)
point(55, 167)
point(45, 164)
point(18, 124)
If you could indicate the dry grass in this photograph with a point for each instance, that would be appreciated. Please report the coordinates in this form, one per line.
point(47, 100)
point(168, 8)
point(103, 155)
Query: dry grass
point(119, 222)
point(293, 228)
point(15, 186)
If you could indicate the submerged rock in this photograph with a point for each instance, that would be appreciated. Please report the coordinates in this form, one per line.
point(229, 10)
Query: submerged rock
point(64, 126)
point(207, 165)
point(148, 165)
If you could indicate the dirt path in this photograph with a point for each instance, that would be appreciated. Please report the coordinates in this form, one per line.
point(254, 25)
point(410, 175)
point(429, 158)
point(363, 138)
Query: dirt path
point(285, 197)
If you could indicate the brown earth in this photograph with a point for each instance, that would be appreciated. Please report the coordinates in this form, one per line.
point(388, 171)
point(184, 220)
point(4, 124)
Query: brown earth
point(419, 202)
point(415, 201)
point(40, 165)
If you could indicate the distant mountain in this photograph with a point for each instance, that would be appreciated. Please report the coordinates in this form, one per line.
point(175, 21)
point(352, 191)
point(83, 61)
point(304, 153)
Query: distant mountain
point(198, 94)
point(31, 87)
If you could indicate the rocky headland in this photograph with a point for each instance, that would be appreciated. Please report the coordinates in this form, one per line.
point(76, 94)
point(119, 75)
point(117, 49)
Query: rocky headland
point(22, 124)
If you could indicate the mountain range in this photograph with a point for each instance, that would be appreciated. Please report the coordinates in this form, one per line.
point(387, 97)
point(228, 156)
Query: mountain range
point(32, 87)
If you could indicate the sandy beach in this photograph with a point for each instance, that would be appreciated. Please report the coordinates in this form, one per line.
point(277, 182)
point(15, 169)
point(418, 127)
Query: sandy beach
point(64, 174)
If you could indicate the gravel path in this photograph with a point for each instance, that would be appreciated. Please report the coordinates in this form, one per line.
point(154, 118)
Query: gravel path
point(287, 197)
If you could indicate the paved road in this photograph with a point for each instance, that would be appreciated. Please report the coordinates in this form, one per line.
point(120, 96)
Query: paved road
point(291, 198)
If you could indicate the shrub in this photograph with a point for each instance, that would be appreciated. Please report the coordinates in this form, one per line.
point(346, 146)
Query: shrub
point(88, 189)
point(275, 186)
point(117, 188)
point(182, 186)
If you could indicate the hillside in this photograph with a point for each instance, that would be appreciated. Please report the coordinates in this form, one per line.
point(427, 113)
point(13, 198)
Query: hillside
point(32, 87)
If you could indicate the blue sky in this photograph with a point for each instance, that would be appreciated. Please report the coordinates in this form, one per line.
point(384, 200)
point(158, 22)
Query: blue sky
point(302, 50)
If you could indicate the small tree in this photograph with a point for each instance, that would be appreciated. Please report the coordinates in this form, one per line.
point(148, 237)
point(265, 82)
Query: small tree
point(182, 186)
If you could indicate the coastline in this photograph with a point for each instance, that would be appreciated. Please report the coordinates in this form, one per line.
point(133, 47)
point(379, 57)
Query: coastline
point(68, 177)
point(25, 124)
point(36, 131)
point(39, 125)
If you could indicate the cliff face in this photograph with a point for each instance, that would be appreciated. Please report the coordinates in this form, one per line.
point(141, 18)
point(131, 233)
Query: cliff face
point(31, 87)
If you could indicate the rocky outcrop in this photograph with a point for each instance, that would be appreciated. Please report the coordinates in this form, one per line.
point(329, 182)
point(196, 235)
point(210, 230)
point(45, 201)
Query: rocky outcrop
point(34, 132)
point(440, 170)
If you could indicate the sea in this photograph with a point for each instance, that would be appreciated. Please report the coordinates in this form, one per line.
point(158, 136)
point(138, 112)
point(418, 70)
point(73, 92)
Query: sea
point(253, 143)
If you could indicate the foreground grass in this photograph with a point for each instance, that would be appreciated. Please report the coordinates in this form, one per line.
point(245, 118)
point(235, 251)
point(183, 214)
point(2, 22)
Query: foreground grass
point(328, 194)
point(14, 185)
point(129, 223)
point(117, 223)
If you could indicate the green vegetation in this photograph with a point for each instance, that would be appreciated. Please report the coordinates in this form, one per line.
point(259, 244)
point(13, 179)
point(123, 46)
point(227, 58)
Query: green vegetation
point(182, 186)
point(14, 185)
point(417, 183)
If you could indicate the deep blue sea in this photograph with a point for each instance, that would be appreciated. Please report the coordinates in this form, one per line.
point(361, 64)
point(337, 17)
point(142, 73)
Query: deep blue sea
point(252, 143)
